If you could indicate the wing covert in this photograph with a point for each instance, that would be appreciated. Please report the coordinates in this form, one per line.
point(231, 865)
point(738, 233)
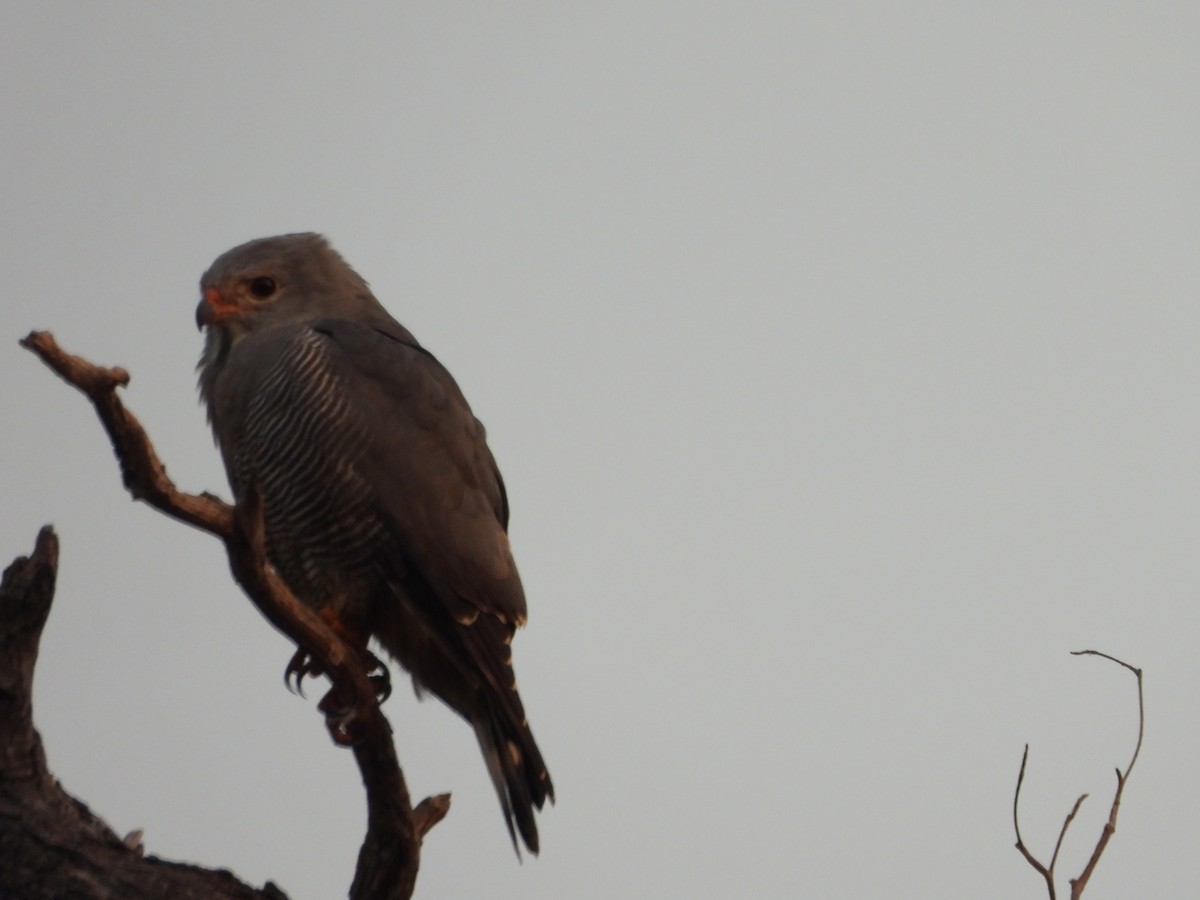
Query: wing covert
point(435, 480)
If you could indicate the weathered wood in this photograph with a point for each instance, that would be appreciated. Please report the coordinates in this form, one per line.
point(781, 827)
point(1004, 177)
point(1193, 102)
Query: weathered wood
point(51, 845)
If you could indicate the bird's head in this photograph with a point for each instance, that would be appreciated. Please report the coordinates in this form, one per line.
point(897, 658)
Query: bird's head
point(279, 280)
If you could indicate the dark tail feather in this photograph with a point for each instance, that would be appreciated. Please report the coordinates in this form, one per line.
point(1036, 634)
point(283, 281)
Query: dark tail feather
point(518, 774)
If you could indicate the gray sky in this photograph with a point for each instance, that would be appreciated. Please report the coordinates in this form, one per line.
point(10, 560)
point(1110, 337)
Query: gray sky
point(841, 362)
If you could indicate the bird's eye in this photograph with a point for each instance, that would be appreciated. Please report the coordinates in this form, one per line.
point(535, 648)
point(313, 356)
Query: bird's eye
point(262, 287)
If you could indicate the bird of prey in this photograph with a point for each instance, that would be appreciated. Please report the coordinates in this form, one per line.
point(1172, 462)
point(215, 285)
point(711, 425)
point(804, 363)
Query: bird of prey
point(382, 506)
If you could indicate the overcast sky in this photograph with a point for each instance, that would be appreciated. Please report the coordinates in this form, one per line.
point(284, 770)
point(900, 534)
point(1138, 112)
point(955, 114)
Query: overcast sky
point(841, 360)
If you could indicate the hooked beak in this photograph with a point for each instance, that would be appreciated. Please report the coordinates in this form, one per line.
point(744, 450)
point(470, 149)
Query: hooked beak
point(213, 308)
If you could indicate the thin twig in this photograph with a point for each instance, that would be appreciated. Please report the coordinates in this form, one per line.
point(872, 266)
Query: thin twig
point(1110, 827)
point(1046, 873)
point(1062, 833)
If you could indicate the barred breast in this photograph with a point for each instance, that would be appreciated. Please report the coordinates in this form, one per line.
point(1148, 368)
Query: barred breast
point(300, 443)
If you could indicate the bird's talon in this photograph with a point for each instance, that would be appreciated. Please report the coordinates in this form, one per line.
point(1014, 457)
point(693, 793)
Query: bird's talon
point(382, 685)
point(299, 667)
point(379, 676)
point(339, 719)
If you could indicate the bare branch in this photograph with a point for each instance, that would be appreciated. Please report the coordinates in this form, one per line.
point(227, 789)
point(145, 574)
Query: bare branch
point(1046, 873)
point(390, 854)
point(142, 472)
point(51, 845)
point(1110, 827)
point(1062, 833)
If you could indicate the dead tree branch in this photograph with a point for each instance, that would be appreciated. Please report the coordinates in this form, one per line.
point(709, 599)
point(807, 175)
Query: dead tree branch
point(1047, 872)
point(390, 854)
point(51, 845)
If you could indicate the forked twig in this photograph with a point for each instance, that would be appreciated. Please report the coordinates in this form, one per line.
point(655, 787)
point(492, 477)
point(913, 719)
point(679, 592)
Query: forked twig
point(1046, 872)
point(1110, 827)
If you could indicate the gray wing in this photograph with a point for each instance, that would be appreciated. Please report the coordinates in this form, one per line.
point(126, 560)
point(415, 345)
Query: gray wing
point(434, 481)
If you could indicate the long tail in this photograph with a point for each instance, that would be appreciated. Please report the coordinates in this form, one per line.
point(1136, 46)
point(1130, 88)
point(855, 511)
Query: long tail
point(518, 773)
point(469, 666)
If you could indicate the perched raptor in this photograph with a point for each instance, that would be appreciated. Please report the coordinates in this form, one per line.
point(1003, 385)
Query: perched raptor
point(382, 505)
